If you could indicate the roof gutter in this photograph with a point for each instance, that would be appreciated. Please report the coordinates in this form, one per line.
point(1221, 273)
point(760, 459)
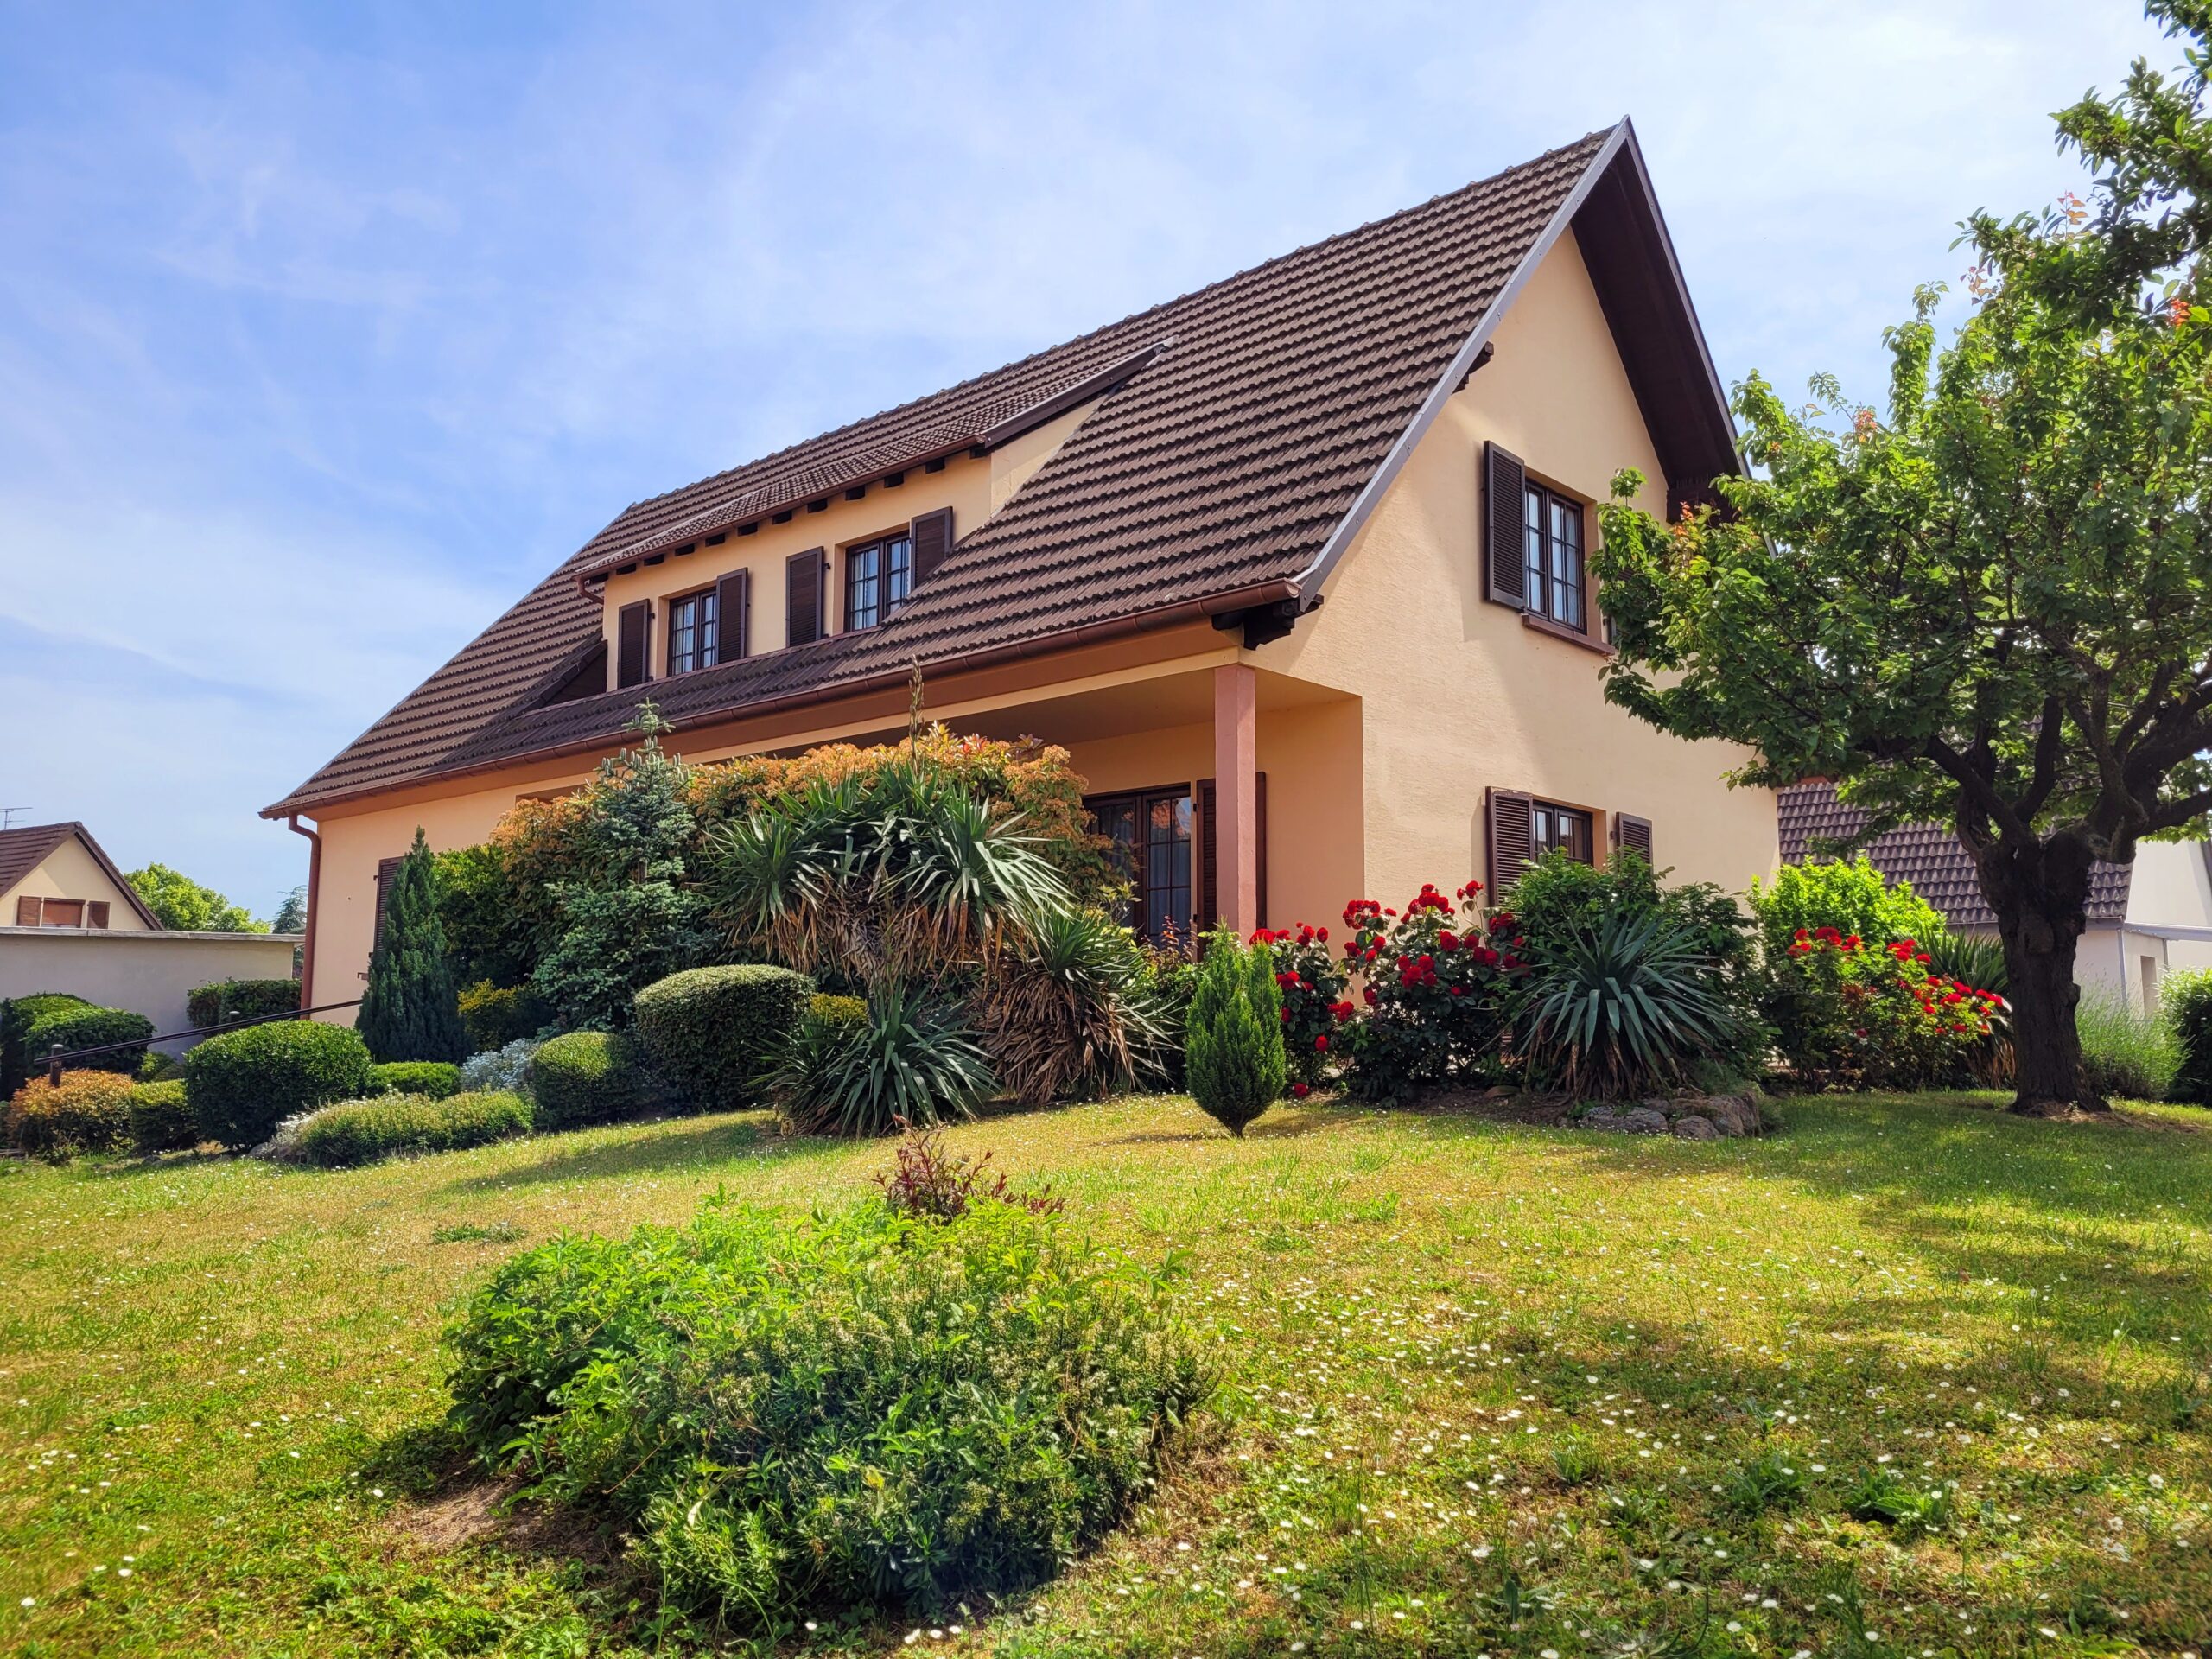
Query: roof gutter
point(1258, 595)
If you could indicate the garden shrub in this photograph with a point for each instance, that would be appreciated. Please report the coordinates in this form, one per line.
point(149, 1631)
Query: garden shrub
point(1071, 1012)
point(87, 1111)
point(87, 1027)
point(2186, 1004)
point(709, 1031)
point(1439, 991)
point(1851, 898)
point(1233, 1053)
point(244, 1083)
point(909, 1060)
point(1619, 1004)
point(17, 1014)
point(2125, 1054)
point(1849, 1013)
point(161, 1118)
point(1312, 984)
point(505, 1068)
point(931, 1183)
point(363, 1131)
point(853, 1410)
point(409, 1010)
point(496, 1016)
point(585, 1077)
point(239, 999)
point(434, 1078)
point(158, 1067)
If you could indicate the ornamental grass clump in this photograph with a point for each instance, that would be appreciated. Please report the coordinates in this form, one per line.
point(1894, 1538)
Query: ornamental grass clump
point(1233, 1060)
point(854, 1410)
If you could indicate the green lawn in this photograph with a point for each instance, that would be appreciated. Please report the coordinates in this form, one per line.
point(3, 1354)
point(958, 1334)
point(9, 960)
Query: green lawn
point(1490, 1389)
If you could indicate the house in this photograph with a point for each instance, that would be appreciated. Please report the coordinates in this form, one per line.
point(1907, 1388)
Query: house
point(2147, 918)
point(77, 926)
point(1293, 565)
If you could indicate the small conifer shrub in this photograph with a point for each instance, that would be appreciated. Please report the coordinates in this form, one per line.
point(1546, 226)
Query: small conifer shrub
point(410, 1010)
point(1233, 1059)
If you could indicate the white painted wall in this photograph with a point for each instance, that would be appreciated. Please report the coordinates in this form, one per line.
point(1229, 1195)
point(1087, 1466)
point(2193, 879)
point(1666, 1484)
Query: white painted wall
point(149, 973)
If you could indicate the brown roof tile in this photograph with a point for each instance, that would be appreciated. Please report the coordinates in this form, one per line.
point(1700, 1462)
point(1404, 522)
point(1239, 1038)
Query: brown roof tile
point(1926, 855)
point(1223, 464)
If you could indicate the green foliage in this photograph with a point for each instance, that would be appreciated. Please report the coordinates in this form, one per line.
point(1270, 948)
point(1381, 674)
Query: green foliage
point(930, 1182)
point(495, 1015)
point(1881, 1496)
point(244, 1083)
point(1852, 1015)
point(855, 1410)
point(239, 999)
point(160, 1117)
point(1072, 1011)
point(485, 938)
point(587, 1077)
point(409, 1010)
point(2186, 1004)
point(363, 1131)
point(1851, 898)
point(708, 1031)
point(1234, 1062)
point(1767, 1482)
point(911, 1061)
point(2126, 1054)
point(182, 905)
point(17, 1014)
point(87, 1111)
point(1312, 983)
point(433, 1079)
point(291, 915)
point(1439, 991)
point(158, 1067)
point(1976, 958)
point(84, 1026)
point(1622, 1005)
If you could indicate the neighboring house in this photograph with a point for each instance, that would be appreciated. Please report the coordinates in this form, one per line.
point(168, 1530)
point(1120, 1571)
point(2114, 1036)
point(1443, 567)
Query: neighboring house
point(2147, 919)
point(1293, 565)
point(79, 927)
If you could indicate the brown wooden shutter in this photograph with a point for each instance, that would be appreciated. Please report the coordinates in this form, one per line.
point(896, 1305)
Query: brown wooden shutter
point(802, 598)
point(630, 643)
point(96, 913)
point(734, 618)
point(1208, 907)
point(387, 868)
point(1505, 542)
point(26, 911)
point(1508, 838)
point(932, 535)
point(1632, 833)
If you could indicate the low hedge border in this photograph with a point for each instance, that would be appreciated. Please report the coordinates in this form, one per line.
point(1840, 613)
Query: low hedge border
point(367, 1131)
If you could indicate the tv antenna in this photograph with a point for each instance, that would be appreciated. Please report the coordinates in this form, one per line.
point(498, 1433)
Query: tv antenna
point(8, 814)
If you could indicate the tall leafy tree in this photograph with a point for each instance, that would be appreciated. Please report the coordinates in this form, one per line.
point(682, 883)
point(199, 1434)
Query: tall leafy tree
point(184, 906)
point(410, 1010)
point(1988, 607)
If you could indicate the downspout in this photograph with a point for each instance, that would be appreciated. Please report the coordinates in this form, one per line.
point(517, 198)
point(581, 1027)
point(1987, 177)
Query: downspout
point(314, 898)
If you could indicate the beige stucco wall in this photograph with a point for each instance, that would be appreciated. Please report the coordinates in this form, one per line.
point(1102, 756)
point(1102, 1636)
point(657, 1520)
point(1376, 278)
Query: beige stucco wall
point(70, 871)
point(147, 971)
point(1456, 693)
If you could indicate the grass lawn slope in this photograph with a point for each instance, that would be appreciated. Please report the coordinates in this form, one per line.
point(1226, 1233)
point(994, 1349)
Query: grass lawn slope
point(1912, 1377)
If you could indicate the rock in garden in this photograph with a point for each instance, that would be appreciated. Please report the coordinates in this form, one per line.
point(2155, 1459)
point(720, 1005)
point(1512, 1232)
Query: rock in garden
point(1599, 1117)
point(1644, 1121)
point(1690, 1127)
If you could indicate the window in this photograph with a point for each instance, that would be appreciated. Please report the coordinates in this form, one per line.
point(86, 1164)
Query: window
point(1552, 532)
point(1561, 829)
point(878, 576)
point(1151, 832)
point(694, 631)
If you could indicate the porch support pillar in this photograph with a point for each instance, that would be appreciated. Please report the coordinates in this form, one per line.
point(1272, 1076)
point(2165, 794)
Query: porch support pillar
point(1236, 791)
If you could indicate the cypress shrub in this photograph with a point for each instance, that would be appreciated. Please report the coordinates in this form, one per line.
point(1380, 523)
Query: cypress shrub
point(1234, 1061)
point(86, 1026)
point(240, 999)
point(2185, 1001)
point(17, 1014)
point(708, 1032)
point(161, 1118)
point(363, 1131)
point(87, 1111)
point(585, 1077)
point(243, 1083)
point(410, 1010)
point(434, 1079)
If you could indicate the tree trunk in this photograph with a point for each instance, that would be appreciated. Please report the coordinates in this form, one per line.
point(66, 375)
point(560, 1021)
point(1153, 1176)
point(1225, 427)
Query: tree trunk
point(2040, 891)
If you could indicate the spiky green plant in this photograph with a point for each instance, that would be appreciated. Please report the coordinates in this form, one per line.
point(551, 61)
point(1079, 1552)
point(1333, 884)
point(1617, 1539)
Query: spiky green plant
point(1622, 1005)
point(912, 1061)
point(1071, 1012)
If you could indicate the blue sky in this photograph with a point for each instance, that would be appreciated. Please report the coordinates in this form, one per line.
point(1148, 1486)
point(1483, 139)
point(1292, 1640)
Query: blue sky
point(325, 330)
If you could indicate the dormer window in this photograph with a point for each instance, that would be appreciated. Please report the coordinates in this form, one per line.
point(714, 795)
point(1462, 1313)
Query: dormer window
point(879, 578)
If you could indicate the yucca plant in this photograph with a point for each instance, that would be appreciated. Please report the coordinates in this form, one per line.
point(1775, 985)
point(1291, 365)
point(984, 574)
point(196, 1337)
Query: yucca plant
point(1623, 1005)
point(1070, 1011)
point(1977, 958)
point(912, 1061)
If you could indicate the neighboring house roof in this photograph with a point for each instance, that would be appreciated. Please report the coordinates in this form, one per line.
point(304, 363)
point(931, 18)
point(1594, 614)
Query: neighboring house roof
point(1245, 432)
point(24, 850)
point(1926, 855)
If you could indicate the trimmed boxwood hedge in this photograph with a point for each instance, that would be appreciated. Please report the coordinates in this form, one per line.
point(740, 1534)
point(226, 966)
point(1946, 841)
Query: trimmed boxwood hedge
point(17, 1015)
point(363, 1131)
point(88, 1027)
point(708, 1031)
point(243, 1083)
point(240, 999)
point(162, 1119)
point(88, 1111)
point(434, 1078)
point(587, 1077)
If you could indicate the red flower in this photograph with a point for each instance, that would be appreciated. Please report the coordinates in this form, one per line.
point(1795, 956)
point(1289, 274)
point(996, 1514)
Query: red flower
point(1299, 1091)
point(1321, 1043)
point(1371, 998)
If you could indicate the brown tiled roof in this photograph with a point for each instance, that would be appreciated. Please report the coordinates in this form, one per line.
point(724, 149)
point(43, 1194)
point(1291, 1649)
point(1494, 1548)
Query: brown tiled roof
point(1926, 855)
point(1221, 465)
point(24, 850)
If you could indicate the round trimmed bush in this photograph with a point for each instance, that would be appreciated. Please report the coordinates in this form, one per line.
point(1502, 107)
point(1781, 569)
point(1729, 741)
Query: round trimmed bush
point(88, 1027)
point(17, 1014)
point(243, 1083)
point(363, 1131)
point(162, 1119)
point(587, 1077)
point(708, 1031)
point(87, 1111)
point(434, 1078)
point(240, 999)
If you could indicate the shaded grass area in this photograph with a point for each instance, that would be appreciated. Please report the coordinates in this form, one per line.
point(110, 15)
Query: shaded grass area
point(1910, 1375)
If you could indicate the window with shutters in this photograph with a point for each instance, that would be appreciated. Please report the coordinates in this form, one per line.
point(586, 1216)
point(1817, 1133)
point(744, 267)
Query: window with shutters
point(879, 578)
point(694, 631)
point(1552, 539)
